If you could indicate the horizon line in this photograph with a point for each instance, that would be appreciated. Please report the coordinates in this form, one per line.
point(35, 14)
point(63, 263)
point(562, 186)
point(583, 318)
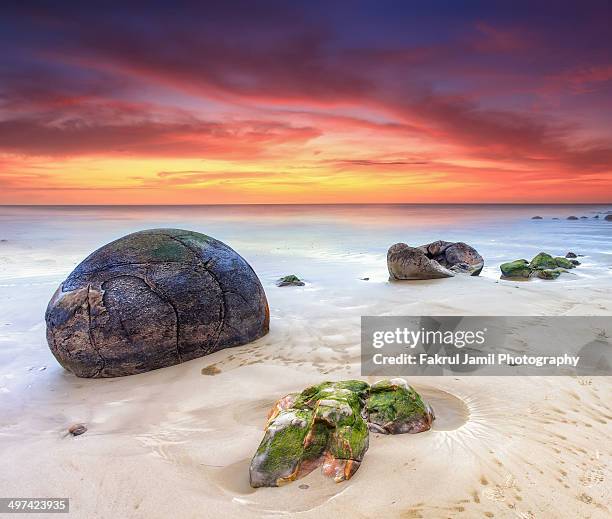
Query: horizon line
point(314, 204)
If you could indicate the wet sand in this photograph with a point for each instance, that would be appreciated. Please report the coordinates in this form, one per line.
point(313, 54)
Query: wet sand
point(177, 442)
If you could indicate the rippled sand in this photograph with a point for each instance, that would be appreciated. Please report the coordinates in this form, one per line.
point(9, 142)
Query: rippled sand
point(177, 442)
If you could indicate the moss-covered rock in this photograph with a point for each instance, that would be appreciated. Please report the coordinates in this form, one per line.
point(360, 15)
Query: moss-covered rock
point(548, 273)
point(394, 407)
point(564, 263)
point(290, 281)
point(152, 299)
point(327, 425)
point(543, 261)
point(516, 269)
point(543, 266)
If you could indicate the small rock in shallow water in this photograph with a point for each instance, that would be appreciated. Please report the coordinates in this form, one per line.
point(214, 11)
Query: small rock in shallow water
point(575, 262)
point(290, 281)
point(543, 261)
point(549, 273)
point(564, 263)
point(571, 255)
point(536, 218)
point(516, 269)
point(572, 218)
point(608, 218)
point(542, 266)
point(365, 279)
point(77, 429)
point(211, 370)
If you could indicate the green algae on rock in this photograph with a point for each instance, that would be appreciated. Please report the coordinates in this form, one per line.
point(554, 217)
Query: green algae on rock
point(290, 281)
point(516, 269)
point(328, 425)
point(152, 299)
point(394, 407)
point(564, 263)
point(543, 261)
point(548, 273)
point(543, 266)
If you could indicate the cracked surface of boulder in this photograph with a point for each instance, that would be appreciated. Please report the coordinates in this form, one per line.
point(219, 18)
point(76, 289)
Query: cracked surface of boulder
point(458, 257)
point(328, 425)
point(439, 259)
point(152, 299)
point(405, 262)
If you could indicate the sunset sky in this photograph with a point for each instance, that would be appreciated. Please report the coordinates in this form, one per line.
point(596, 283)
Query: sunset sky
point(306, 102)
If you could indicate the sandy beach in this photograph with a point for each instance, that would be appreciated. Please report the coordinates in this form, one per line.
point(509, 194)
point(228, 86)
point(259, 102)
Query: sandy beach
point(312, 260)
point(178, 442)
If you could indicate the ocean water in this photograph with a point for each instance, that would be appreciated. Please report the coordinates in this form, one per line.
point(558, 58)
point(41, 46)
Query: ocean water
point(325, 243)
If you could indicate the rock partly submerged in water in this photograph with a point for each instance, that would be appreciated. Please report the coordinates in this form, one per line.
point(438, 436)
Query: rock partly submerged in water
point(571, 255)
point(543, 266)
point(77, 429)
point(290, 281)
point(536, 218)
point(439, 259)
point(152, 299)
point(543, 261)
point(572, 218)
point(328, 425)
point(516, 269)
point(608, 218)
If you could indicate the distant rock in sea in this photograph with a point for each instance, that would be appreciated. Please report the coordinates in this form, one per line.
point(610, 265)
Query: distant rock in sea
point(328, 425)
point(571, 255)
point(572, 218)
point(608, 218)
point(290, 281)
point(438, 259)
point(152, 299)
point(536, 218)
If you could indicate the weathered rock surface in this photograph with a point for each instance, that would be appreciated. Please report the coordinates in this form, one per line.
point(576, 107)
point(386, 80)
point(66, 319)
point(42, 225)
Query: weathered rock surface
point(327, 425)
point(438, 259)
point(394, 407)
point(405, 262)
point(543, 266)
point(152, 299)
point(290, 281)
point(516, 269)
point(543, 261)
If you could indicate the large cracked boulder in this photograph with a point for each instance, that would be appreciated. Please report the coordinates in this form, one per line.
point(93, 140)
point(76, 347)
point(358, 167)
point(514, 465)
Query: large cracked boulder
point(152, 299)
point(439, 259)
point(328, 425)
